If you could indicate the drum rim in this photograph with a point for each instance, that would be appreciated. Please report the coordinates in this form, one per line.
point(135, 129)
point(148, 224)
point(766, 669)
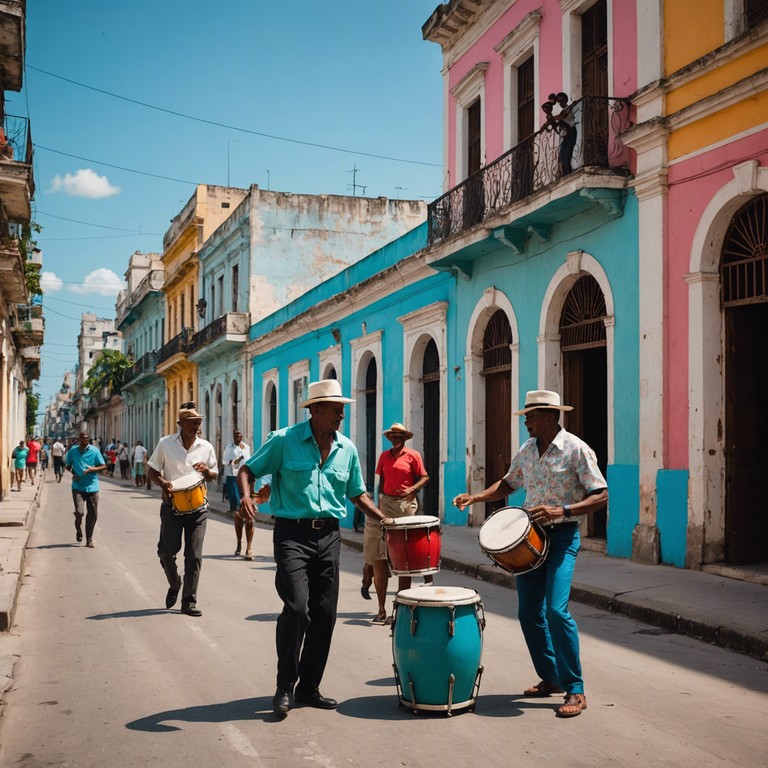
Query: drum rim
point(201, 480)
point(408, 521)
point(434, 602)
point(529, 525)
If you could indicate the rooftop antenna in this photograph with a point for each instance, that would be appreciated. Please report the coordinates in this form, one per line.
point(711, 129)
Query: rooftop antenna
point(398, 190)
point(268, 180)
point(355, 186)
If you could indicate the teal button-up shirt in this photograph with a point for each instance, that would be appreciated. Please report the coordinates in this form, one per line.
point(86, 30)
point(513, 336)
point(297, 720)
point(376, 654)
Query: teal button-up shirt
point(301, 487)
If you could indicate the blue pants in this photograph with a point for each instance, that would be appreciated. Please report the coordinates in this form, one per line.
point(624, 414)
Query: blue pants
point(549, 629)
point(233, 492)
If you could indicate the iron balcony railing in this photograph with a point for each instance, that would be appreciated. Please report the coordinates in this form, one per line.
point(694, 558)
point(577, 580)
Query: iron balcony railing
point(145, 364)
point(16, 140)
point(232, 322)
point(535, 163)
point(176, 345)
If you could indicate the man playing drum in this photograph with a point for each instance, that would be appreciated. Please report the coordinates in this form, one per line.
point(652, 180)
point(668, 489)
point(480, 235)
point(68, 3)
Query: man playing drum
point(175, 457)
point(401, 475)
point(562, 481)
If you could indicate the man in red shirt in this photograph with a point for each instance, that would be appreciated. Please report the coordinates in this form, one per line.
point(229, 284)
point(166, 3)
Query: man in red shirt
point(401, 474)
point(34, 451)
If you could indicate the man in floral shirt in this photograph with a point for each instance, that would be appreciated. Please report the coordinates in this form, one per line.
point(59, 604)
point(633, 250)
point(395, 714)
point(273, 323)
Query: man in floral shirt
point(562, 481)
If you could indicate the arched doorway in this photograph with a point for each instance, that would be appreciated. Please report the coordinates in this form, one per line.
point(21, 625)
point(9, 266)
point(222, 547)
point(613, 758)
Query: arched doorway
point(431, 438)
point(585, 375)
point(744, 299)
point(219, 426)
point(234, 404)
point(271, 407)
point(497, 372)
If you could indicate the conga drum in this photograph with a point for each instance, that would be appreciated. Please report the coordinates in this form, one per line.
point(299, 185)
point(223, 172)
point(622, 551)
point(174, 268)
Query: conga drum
point(188, 493)
point(413, 545)
point(513, 541)
point(437, 645)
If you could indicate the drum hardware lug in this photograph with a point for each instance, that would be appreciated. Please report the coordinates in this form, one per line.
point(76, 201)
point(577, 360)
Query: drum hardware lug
point(451, 682)
point(476, 693)
point(414, 623)
point(398, 685)
point(481, 617)
point(413, 695)
point(452, 623)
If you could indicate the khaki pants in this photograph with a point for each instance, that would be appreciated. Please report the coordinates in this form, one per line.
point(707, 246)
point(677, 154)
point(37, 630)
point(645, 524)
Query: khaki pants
point(374, 545)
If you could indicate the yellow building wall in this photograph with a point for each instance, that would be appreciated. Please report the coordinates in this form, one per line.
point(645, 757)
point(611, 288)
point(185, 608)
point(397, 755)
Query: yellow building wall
point(728, 122)
point(692, 28)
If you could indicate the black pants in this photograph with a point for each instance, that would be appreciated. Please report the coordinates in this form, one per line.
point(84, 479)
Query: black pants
point(172, 527)
point(91, 503)
point(307, 581)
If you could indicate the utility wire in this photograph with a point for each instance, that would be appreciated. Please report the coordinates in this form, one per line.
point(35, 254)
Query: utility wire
point(232, 127)
point(90, 224)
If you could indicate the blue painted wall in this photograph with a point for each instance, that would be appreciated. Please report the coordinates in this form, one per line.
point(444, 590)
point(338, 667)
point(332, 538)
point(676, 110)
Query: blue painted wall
point(672, 514)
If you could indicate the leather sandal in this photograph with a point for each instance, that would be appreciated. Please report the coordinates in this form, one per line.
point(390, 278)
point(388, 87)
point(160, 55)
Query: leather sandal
point(543, 688)
point(574, 703)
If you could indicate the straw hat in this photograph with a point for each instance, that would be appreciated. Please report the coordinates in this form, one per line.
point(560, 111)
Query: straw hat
point(398, 427)
point(325, 391)
point(188, 411)
point(542, 398)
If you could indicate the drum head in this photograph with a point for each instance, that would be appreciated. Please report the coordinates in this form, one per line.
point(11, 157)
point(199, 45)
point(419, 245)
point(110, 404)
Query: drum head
point(503, 529)
point(437, 596)
point(417, 521)
point(186, 482)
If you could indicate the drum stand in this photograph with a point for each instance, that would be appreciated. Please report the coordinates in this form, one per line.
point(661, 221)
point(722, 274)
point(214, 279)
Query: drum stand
point(447, 708)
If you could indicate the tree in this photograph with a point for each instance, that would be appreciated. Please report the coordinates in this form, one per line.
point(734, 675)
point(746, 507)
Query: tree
point(108, 371)
point(33, 400)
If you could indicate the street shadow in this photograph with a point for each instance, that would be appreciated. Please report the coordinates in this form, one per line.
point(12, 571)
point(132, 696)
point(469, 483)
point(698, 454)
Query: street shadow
point(73, 545)
point(266, 617)
point(383, 682)
point(229, 711)
point(129, 614)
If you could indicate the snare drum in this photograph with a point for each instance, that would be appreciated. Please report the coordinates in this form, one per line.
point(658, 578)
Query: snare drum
point(437, 645)
point(413, 545)
point(188, 493)
point(513, 541)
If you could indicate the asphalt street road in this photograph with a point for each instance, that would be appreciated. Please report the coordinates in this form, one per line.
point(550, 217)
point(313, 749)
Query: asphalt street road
point(109, 677)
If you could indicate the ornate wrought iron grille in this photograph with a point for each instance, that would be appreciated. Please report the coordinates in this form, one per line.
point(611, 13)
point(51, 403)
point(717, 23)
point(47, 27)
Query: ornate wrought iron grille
point(582, 323)
point(534, 164)
point(743, 271)
point(497, 356)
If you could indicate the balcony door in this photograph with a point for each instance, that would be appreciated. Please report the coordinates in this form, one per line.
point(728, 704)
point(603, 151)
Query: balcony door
point(474, 204)
point(431, 393)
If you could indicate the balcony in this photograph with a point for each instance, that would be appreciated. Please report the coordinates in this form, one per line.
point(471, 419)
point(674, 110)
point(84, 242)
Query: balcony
point(141, 372)
point(13, 280)
point(220, 336)
point(28, 325)
point(12, 24)
point(535, 165)
point(174, 352)
point(17, 185)
point(31, 357)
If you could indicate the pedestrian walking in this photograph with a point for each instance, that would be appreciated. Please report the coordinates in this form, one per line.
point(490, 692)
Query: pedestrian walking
point(34, 453)
point(176, 456)
point(562, 482)
point(124, 457)
point(314, 470)
point(85, 461)
point(19, 456)
point(235, 454)
point(58, 452)
point(139, 456)
point(111, 460)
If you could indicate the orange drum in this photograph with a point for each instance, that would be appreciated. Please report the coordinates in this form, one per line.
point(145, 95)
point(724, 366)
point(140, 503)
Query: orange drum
point(188, 493)
point(513, 541)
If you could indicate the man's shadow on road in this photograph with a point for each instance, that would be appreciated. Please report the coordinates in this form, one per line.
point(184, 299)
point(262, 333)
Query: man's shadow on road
point(229, 711)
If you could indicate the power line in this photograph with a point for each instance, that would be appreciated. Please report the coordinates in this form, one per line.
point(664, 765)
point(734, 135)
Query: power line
point(90, 224)
point(46, 297)
point(232, 127)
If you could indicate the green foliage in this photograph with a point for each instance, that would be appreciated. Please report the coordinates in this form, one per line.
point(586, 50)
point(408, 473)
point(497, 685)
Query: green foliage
point(33, 400)
point(107, 372)
point(32, 275)
point(26, 246)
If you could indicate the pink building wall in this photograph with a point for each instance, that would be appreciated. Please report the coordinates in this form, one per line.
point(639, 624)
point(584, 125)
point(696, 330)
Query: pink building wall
point(692, 184)
point(623, 48)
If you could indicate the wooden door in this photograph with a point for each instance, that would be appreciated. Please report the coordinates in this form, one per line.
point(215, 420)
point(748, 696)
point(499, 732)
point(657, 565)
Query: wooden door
point(431, 399)
point(474, 200)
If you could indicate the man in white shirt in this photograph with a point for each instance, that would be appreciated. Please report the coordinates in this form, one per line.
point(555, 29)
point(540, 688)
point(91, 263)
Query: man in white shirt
point(182, 453)
point(58, 451)
point(139, 454)
point(235, 454)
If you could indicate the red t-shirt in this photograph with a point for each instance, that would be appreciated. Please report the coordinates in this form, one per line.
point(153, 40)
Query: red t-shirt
point(112, 456)
point(34, 449)
point(400, 473)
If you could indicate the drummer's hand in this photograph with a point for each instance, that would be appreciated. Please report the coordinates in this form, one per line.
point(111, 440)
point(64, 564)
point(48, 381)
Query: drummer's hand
point(202, 469)
point(463, 500)
point(387, 521)
point(247, 508)
point(545, 513)
point(165, 487)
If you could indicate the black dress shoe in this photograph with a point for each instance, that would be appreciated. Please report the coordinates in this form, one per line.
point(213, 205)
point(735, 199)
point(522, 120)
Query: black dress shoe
point(315, 699)
point(172, 596)
point(191, 610)
point(281, 701)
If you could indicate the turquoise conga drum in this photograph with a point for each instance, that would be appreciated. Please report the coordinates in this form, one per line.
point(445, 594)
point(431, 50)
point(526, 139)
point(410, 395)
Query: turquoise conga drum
point(437, 645)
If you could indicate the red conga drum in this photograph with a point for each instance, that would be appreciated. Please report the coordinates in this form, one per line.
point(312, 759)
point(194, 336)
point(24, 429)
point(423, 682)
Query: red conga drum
point(413, 545)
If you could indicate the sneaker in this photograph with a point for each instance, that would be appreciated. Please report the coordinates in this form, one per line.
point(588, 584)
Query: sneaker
point(89, 543)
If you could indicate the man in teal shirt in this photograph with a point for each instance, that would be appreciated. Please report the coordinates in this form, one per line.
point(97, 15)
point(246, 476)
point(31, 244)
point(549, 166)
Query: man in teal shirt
point(84, 461)
point(314, 470)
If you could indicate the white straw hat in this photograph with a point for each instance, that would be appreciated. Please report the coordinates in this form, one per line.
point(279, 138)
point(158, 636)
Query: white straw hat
point(542, 398)
point(325, 391)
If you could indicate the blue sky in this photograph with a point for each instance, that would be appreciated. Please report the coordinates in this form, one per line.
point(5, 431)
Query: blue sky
point(350, 74)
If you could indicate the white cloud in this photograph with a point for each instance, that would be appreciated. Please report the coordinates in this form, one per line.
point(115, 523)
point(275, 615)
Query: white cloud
point(102, 281)
point(50, 282)
point(84, 183)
